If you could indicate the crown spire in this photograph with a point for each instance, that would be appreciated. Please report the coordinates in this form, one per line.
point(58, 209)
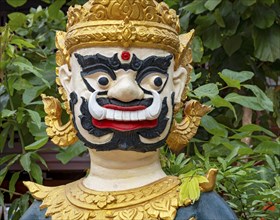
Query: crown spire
point(119, 23)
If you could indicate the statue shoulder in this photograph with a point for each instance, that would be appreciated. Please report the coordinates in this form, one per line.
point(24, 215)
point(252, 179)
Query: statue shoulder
point(209, 206)
point(41, 192)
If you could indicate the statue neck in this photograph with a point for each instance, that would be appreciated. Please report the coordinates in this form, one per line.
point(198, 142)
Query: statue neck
point(122, 170)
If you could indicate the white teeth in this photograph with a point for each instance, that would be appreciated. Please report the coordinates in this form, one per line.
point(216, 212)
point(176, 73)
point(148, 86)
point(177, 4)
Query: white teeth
point(133, 116)
point(118, 115)
point(98, 112)
point(110, 114)
point(141, 115)
point(126, 116)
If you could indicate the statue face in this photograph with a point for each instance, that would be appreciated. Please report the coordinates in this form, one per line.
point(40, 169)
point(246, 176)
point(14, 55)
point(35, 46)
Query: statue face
point(122, 99)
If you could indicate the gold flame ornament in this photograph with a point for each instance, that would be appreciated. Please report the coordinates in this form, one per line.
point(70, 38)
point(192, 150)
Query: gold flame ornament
point(182, 132)
point(114, 23)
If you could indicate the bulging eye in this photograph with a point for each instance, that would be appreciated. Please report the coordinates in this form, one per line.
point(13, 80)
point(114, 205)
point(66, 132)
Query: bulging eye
point(154, 81)
point(98, 81)
point(158, 81)
point(103, 81)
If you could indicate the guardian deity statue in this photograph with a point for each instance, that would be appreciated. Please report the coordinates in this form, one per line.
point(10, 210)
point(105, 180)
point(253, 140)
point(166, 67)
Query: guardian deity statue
point(122, 70)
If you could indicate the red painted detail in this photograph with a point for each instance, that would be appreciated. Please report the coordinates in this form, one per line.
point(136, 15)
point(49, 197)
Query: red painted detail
point(125, 55)
point(124, 125)
point(122, 108)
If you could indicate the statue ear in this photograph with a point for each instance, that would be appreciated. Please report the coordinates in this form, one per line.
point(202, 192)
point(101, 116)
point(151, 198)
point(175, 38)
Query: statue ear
point(179, 81)
point(65, 76)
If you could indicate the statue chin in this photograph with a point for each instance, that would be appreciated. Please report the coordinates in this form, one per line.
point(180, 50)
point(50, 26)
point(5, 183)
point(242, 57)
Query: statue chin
point(125, 135)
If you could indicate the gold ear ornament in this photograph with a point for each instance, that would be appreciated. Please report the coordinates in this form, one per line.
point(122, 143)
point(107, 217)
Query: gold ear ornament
point(181, 133)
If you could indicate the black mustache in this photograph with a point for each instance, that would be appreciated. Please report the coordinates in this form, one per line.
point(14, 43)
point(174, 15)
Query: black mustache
point(106, 101)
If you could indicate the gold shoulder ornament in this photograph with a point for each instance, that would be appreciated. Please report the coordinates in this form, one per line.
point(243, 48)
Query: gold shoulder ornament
point(158, 200)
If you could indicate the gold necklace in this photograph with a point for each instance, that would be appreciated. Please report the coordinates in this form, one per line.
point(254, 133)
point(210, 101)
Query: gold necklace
point(158, 200)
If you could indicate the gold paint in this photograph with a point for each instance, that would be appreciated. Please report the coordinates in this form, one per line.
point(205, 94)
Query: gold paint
point(158, 200)
point(211, 176)
point(126, 23)
point(182, 132)
point(61, 135)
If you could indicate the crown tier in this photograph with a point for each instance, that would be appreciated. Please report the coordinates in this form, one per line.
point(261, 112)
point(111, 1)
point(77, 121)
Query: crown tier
point(123, 23)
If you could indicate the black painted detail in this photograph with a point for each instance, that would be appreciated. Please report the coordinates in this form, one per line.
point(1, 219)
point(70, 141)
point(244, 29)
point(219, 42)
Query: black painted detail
point(95, 63)
point(129, 140)
point(158, 81)
point(105, 101)
point(103, 81)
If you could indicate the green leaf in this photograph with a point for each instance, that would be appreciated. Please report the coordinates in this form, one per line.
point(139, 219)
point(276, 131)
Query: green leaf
point(196, 7)
point(55, 7)
point(232, 44)
point(232, 22)
point(25, 161)
point(1, 199)
point(36, 119)
point(266, 19)
point(37, 144)
point(30, 94)
point(212, 4)
point(21, 42)
point(6, 158)
point(262, 98)
point(239, 76)
point(36, 173)
point(208, 90)
point(16, 20)
point(3, 173)
point(21, 84)
point(219, 18)
point(268, 2)
point(252, 128)
point(212, 37)
point(70, 152)
point(246, 101)
point(232, 154)
point(4, 98)
point(7, 113)
point(230, 81)
point(25, 65)
point(267, 44)
point(248, 2)
point(218, 101)
point(270, 162)
point(12, 183)
point(36, 156)
point(197, 49)
point(268, 147)
point(213, 127)
point(16, 3)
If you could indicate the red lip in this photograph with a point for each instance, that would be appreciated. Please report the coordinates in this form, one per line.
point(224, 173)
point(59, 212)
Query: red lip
point(122, 108)
point(124, 125)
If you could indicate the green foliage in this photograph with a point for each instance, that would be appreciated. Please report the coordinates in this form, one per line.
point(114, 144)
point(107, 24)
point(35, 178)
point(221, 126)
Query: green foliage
point(234, 51)
point(27, 69)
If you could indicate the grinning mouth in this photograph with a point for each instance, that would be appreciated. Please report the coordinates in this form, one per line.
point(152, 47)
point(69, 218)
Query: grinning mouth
point(124, 118)
point(124, 125)
point(125, 113)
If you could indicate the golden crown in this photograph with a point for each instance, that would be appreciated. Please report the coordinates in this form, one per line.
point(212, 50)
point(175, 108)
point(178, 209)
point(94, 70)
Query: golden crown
point(126, 23)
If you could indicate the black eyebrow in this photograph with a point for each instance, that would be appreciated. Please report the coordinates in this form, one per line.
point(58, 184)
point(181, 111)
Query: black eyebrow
point(136, 64)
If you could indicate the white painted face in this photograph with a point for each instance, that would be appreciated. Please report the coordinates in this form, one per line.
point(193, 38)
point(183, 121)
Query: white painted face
point(122, 98)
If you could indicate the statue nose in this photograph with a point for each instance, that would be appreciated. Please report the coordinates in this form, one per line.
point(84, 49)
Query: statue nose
point(126, 90)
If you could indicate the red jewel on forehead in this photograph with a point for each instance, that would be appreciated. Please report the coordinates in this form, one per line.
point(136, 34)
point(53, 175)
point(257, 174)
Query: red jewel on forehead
point(125, 55)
